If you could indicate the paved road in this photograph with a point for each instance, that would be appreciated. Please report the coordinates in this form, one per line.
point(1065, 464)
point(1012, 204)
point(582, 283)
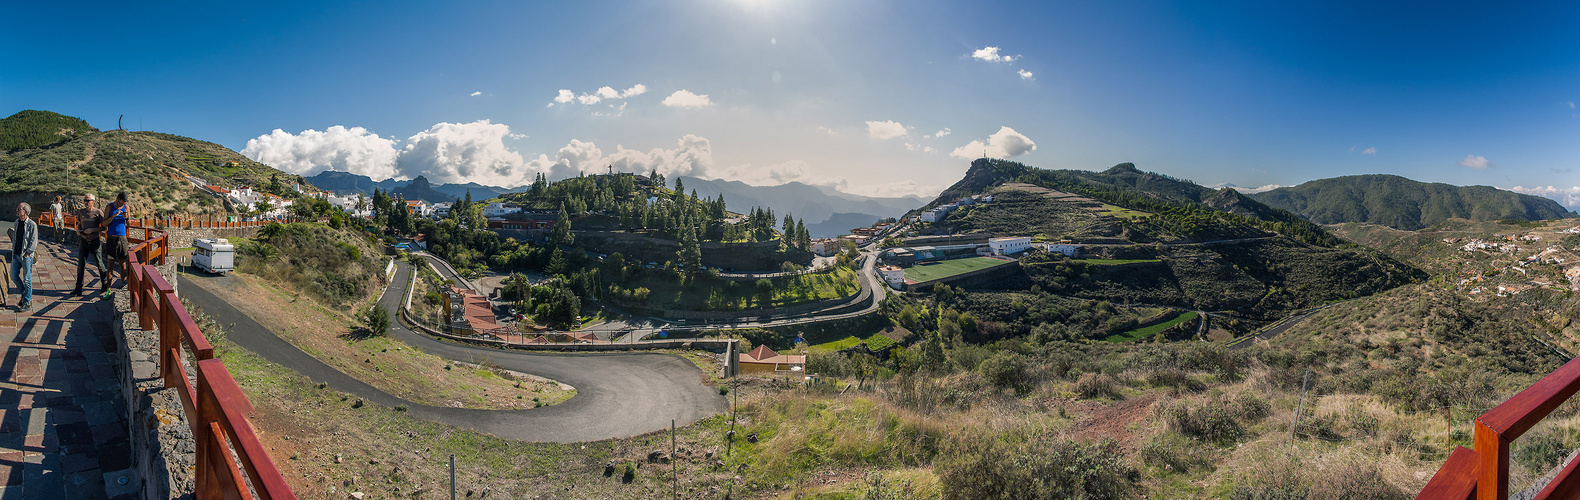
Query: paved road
point(618, 395)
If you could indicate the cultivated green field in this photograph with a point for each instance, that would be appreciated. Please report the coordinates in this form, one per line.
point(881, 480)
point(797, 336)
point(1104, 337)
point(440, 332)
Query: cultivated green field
point(1141, 333)
point(945, 269)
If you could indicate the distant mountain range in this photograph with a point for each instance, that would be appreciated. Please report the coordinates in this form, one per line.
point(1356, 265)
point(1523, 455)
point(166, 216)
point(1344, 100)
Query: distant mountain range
point(835, 212)
point(827, 212)
point(1401, 203)
point(416, 189)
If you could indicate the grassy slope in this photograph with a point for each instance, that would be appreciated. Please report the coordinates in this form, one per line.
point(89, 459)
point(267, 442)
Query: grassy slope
point(146, 164)
point(392, 366)
point(740, 295)
point(32, 128)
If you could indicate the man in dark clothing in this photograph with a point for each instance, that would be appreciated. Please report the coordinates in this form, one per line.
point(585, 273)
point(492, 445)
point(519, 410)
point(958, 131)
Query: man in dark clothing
point(88, 221)
point(23, 244)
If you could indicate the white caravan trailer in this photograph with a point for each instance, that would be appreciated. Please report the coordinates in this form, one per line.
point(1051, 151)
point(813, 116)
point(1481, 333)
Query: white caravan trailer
point(215, 255)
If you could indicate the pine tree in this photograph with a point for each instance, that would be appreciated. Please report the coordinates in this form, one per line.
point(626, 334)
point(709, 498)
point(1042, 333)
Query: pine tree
point(561, 235)
point(690, 254)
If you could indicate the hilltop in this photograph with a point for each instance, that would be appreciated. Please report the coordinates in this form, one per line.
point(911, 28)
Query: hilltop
point(1153, 239)
point(33, 129)
point(1401, 203)
point(160, 171)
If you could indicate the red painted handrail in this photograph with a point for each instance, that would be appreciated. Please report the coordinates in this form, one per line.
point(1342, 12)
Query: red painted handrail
point(1486, 469)
point(215, 406)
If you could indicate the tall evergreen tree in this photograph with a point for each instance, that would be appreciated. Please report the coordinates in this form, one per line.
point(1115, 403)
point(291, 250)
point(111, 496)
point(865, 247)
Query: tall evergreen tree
point(561, 235)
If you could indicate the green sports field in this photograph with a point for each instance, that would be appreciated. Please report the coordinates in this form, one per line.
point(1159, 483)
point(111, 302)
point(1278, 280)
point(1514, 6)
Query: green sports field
point(928, 272)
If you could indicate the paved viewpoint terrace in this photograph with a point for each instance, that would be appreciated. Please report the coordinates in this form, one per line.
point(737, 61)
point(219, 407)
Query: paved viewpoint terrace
point(63, 432)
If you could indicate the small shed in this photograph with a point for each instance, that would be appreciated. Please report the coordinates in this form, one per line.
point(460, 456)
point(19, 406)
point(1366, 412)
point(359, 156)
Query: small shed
point(765, 360)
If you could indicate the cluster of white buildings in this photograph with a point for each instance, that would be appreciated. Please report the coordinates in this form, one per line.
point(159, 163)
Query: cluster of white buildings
point(939, 212)
point(1477, 244)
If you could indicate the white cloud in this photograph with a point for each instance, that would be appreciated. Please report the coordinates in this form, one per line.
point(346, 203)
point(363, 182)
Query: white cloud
point(990, 54)
point(603, 93)
point(1006, 143)
point(1568, 197)
point(1369, 151)
point(1571, 105)
point(942, 133)
point(1024, 75)
point(463, 152)
point(826, 129)
point(686, 99)
point(887, 129)
point(894, 189)
point(1475, 162)
point(339, 148)
point(478, 93)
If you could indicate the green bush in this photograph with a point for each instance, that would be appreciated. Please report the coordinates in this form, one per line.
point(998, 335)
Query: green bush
point(1005, 369)
point(377, 319)
point(1095, 385)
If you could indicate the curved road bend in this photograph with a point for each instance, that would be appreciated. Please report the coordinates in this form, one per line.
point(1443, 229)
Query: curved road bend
point(618, 394)
point(865, 276)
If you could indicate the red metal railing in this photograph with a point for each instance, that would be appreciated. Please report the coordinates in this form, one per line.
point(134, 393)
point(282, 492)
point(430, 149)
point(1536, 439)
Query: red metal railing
point(1483, 473)
point(215, 406)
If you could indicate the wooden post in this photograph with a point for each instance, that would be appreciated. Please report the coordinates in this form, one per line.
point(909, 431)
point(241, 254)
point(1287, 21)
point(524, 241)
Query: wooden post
point(1492, 450)
point(674, 461)
point(207, 486)
point(169, 338)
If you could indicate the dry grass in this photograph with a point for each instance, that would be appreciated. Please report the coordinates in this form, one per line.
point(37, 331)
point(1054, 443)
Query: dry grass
point(390, 365)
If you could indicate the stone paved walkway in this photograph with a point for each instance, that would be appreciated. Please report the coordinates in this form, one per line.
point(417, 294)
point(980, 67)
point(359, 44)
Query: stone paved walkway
point(62, 419)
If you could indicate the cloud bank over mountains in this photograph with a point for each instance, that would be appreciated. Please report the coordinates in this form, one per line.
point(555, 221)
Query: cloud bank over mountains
point(450, 153)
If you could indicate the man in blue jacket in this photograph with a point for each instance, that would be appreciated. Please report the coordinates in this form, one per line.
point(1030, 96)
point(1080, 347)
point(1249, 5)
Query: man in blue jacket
point(24, 241)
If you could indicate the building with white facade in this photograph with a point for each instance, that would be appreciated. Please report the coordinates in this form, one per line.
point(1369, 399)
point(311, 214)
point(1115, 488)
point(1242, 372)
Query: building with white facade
point(893, 275)
point(826, 247)
point(1069, 249)
point(1008, 246)
point(500, 209)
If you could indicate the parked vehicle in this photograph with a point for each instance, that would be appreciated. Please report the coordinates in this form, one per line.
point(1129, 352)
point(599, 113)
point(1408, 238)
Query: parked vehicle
point(214, 255)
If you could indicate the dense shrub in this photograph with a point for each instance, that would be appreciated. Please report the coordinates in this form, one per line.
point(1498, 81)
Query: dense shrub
point(1095, 385)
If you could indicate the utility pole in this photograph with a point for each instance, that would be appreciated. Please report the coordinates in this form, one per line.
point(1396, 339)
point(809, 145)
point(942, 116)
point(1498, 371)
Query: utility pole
point(674, 461)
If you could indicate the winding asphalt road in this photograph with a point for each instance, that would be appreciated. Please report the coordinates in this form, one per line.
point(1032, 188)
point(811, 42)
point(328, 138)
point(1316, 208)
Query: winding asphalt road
point(618, 394)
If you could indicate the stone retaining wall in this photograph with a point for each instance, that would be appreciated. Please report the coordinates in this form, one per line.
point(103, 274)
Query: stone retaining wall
point(163, 450)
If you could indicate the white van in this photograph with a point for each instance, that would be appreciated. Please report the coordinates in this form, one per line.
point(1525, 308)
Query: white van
point(214, 255)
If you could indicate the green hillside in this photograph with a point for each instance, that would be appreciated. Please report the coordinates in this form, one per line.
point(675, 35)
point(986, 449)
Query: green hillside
point(1195, 247)
point(32, 128)
point(152, 167)
point(1401, 203)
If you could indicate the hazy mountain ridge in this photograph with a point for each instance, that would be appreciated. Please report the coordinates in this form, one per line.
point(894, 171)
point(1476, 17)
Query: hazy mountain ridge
point(833, 211)
point(416, 189)
point(1402, 203)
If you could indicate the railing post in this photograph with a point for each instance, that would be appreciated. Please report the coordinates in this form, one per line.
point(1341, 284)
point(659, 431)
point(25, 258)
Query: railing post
point(1492, 451)
point(202, 434)
point(169, 338)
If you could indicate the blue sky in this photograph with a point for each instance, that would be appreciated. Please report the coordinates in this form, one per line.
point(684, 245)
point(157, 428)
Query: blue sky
point(851, 94)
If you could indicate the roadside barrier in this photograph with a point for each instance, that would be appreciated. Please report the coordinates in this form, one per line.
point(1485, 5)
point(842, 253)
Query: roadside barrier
point(229, 455)
point(1483, 473)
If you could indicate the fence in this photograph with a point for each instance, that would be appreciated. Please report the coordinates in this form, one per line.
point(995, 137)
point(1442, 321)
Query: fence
point(47, 218)
point(215, 406)
point(1483, 473)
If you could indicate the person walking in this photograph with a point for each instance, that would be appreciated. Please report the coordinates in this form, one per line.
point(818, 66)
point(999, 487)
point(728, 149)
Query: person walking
point(88, 221)
point(115, 246)
point(24, 242)
point(56, 220)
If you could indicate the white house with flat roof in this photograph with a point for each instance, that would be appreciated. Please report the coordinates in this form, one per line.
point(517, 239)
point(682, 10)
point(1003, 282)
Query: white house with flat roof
point(1069, 249)
point(1010, 245)
point(893, 275)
